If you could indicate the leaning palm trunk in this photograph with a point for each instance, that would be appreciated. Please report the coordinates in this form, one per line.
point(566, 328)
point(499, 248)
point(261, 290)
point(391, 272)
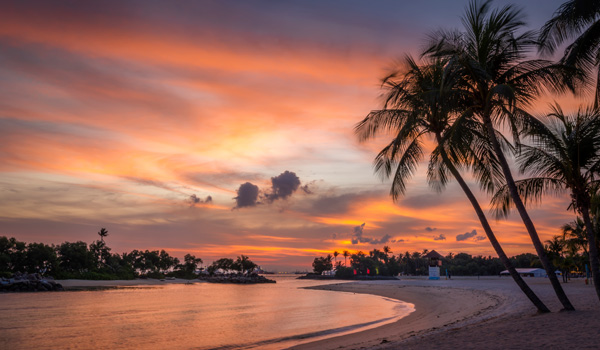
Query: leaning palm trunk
point(490, 234)
point(593, 250)
point(537, 243)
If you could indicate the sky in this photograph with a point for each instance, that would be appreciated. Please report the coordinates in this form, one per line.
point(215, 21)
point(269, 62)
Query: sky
point(220, 128)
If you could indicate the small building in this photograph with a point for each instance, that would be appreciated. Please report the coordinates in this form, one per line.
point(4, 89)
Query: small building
point(533, 272)
point(434, 264)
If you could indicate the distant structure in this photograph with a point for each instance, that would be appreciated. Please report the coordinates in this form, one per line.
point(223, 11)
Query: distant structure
point(527, 272)
point(434, 264)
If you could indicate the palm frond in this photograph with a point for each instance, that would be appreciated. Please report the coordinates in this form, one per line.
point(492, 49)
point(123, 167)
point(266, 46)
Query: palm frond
point(569, 20)
point(405, 167)
point(380, 121)
point(530, 190)
point(437, 171)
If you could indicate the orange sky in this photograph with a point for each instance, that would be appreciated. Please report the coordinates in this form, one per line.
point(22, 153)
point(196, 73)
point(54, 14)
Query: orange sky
point(129, 116)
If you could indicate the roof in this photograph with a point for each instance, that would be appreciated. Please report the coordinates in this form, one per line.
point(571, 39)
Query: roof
point(532, 270)
point(433, 255)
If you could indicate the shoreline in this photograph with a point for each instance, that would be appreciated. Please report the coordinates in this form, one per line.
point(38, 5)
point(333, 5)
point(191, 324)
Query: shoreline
point(471, 313)
point(76, 284)
point(465, 313)
point(447, 304)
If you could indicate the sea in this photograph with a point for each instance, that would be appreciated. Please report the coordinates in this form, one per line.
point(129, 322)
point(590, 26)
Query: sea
point(190, 316)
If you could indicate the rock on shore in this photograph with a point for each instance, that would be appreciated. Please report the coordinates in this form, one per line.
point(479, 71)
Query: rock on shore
point(32, 282)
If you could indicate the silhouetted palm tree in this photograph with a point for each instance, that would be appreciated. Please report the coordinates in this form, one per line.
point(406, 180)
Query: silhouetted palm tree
point(424, 101)
point(103, 233)
point(574, 236)
point(565, 155)
point(578, 20)
point(491, 58)
point(346, 254)
point(335, 255)
point(387, 251)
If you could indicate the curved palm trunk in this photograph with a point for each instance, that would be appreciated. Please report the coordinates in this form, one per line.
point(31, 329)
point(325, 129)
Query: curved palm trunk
point(539, 247)
point(593, 250)
point(491, 236)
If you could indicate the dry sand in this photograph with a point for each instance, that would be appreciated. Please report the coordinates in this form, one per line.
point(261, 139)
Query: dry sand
point(471, 313)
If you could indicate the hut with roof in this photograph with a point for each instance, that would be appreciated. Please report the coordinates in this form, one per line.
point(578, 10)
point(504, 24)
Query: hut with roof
point(435, 261)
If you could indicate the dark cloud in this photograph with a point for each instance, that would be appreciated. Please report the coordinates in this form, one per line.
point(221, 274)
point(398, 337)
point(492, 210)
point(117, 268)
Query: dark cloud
point(479, 238)
point(382, 240)
point(441, 237)
point(358, 236)
point(398, 241)
point(466, 236)
point(429, 229)
point(247, 196)
point(306, 189)
point(283, 186)
point(193, 200)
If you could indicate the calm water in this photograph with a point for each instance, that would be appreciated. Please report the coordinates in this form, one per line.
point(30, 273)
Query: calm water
point(198, 316)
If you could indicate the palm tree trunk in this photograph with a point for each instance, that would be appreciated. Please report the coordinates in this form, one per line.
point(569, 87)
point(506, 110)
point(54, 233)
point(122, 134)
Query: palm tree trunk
point(491, 236)
point(537, 243)
point(593, 250)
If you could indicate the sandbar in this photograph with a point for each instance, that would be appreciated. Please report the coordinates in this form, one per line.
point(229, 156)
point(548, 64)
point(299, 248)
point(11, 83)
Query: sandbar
point(75, 284)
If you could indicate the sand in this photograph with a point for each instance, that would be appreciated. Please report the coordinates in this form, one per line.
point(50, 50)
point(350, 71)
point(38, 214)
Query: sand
point(79, 284)
point(471, 313)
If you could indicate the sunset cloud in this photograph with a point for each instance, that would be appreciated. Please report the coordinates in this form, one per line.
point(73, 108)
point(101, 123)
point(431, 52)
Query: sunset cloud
point(283, 185)
point(247, 196)
point(466, 235)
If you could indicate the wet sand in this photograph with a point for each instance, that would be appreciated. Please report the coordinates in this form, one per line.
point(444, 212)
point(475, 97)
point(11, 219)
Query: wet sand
point(471, 313)
point(92, 284)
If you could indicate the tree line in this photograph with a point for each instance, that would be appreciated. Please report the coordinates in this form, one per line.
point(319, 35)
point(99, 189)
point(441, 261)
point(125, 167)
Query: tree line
point(78, 260)
point(469, 88)
point(384, 263)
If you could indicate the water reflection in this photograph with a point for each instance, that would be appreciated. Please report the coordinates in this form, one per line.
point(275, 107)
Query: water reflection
point(199, 316)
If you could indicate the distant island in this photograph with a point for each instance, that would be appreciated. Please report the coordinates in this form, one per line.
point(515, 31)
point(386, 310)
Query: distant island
point(35, 266)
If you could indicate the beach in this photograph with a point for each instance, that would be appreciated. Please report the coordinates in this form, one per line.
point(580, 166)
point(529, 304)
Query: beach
point(475, 313)
point(464, 312)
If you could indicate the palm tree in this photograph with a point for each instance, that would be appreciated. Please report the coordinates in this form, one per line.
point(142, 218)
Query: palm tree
point(387, 251)
point(103, 233)
point(421, 103)
point(574, 236)
point(335, 255)
point(555, 248)
point(565, 155)
point(346, 254)
point(578, 20)
point(490, 57)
